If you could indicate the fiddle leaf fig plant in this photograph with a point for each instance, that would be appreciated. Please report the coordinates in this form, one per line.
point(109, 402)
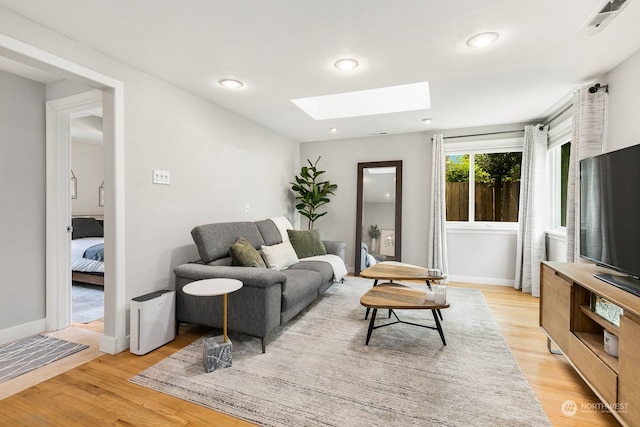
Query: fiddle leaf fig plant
point(311, 192)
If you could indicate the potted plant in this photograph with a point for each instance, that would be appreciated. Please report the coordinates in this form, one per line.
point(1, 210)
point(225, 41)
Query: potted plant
point(374, 233)
point(311, 192)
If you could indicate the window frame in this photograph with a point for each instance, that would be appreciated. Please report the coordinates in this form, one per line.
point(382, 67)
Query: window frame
point(481, 146)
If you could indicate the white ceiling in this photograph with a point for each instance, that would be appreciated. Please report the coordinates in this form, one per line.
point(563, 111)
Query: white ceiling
point(284, 49)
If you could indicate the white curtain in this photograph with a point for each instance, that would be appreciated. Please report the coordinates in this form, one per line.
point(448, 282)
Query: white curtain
point(532, 211)
point(437, 244)
point(587, 140)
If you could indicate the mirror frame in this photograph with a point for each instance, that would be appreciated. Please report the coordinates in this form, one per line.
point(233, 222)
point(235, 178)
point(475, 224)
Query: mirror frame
point(398, 211)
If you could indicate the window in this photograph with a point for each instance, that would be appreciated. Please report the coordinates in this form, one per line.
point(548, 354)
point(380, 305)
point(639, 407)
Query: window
point(565, 150)
point(558, 167)
point(559, 160)
point(490, 194)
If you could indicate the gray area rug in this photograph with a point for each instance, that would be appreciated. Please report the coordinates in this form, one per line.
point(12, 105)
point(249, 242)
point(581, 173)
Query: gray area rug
point(318, 371)
point(87, 303)
point(31, 353)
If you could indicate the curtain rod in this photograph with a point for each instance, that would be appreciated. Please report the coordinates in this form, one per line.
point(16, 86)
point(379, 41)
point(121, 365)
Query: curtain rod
point(483, 134)
point(559, 114)
point(592, 89)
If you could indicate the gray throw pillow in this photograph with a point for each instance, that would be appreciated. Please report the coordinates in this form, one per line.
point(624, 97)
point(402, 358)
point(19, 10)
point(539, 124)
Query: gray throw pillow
point(243, 253)
point(306, 243)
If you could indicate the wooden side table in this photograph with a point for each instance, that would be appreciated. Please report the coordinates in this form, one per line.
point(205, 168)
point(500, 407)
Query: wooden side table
point(215, 354)
point(393, 296)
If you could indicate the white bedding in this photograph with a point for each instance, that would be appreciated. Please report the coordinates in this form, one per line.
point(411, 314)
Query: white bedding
point(78, 263)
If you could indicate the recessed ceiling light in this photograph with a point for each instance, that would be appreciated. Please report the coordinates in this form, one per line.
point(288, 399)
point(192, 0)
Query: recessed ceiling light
point(230, 83)
point(426, 120)
point(333, 129)
point(482, 39)
point(346, 64)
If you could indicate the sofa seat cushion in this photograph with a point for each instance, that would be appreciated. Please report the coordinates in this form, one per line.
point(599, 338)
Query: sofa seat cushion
point(299, 286)
point(324, 268)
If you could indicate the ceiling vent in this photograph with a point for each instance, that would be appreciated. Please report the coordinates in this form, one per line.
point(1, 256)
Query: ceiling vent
point(604, 15)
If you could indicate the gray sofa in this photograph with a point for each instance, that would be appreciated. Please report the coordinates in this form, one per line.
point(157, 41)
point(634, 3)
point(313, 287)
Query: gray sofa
point(268, 298)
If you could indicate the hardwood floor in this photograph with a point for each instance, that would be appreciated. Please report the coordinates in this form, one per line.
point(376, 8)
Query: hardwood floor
point(97, 392)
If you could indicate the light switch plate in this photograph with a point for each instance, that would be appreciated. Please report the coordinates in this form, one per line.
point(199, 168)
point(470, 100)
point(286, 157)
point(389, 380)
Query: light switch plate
point(161, 177)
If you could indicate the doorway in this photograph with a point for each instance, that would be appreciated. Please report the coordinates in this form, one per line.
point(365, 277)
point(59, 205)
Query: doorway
point(114, 339)
point(87, 218)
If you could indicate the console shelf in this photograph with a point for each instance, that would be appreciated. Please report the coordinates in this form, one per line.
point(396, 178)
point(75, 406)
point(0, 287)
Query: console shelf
point(610, 327)
point(566, 290)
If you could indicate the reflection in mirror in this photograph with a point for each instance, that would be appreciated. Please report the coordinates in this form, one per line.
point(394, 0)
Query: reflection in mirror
point(378, 213)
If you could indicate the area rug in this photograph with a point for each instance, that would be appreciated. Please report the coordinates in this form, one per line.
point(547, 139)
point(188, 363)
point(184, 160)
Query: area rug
point(34, 352)
point(87, 303)
point(317, 370)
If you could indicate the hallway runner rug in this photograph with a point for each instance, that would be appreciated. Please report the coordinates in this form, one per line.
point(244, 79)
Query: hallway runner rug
point(317, 370)
point(31, 353)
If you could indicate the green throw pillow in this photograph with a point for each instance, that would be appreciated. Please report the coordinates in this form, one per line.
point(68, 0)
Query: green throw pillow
point(243, 253)
point(306, 243)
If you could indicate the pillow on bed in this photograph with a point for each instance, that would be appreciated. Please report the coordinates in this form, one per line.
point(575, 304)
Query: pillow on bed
point(86, 227)
point(243, 253)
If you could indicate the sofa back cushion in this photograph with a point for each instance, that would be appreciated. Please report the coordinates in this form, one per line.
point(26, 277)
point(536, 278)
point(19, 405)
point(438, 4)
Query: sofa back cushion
point(269, 232)
point(214, 240)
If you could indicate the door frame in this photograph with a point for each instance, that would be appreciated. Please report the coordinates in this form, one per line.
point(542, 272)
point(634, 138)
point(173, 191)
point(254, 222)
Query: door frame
point(114, 339)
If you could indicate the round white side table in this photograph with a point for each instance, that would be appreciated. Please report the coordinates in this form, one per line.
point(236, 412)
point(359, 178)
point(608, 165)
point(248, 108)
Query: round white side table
point(212, 288)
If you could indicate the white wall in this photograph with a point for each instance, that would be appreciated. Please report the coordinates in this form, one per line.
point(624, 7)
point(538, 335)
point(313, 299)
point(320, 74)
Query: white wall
point(482, 256)
point(340, 159)
point(218, 162)
point(624, 103)
point(22, 194)
point(86, 163)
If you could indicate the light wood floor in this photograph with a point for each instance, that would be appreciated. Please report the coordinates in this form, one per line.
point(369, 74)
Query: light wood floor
point(97, 392)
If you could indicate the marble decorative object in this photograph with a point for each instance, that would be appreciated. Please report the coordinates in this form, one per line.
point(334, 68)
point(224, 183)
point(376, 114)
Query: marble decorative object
point(216, 354)
point(606, 309)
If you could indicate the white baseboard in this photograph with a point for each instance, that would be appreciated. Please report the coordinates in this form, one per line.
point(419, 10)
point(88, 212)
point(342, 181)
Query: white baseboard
point(22, 331)
point(111, 345)
point(482, 280)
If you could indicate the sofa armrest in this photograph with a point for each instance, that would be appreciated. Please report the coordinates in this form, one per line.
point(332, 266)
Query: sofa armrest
point(336, 248)
point(249, 276)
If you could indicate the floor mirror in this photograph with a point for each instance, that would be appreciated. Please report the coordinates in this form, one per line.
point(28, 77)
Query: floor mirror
point(378, 213)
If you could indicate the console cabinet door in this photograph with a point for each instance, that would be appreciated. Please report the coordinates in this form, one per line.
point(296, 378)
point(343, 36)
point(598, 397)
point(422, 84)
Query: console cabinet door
point(629, 370)
point(555, 300)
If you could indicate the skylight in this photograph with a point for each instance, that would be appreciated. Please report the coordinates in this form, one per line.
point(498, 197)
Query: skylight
point(392, 99)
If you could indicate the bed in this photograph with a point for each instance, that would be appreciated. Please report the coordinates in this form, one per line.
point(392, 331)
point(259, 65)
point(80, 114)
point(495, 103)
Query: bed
point(87, 251)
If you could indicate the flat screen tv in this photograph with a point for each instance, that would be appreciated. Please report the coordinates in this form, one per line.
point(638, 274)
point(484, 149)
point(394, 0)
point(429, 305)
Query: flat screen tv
point(610, 215)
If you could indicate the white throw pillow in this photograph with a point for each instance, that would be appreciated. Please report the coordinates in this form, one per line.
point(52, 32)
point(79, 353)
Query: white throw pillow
point(279, 256)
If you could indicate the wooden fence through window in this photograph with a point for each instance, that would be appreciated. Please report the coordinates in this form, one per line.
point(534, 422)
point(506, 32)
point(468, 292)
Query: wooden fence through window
point(490, 204)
